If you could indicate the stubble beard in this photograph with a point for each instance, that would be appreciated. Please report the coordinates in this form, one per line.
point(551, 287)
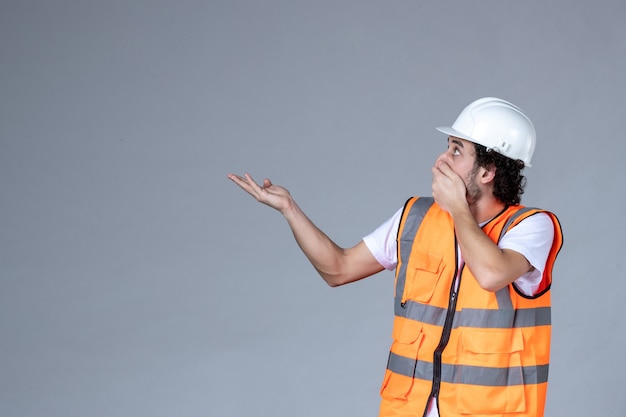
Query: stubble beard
point(473, 191)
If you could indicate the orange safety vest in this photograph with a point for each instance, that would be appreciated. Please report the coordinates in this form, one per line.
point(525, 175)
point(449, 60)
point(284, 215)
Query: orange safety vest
point(477, 352)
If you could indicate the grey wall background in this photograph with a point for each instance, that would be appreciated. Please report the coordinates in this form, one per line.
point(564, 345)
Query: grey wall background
point(136, 280)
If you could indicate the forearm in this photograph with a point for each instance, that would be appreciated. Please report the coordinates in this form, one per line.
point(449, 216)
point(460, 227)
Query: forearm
point(492, 267)
point(325, 256)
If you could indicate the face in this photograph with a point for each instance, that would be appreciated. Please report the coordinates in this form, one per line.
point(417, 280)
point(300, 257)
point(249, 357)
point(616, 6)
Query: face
point(461, 157)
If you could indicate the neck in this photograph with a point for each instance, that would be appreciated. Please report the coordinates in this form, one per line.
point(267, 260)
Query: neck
point(486, 209)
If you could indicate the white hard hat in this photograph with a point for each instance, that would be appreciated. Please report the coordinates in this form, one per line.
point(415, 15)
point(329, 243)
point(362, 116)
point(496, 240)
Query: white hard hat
point(497, 125)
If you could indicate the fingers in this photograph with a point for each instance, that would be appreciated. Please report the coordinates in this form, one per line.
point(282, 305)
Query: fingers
point(444, 178)
point(256, 187)
point(248, 184)
point(444, 168)
point(240, 181)
point(439, 175)
point(436, 171)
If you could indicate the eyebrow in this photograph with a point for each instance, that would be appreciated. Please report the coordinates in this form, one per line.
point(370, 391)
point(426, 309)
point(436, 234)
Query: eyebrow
point(457, 142)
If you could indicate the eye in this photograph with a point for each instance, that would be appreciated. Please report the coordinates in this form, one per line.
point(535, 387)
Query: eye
point(456, 152)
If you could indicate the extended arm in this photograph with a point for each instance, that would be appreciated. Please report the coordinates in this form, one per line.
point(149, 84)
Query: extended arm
point(336, 265)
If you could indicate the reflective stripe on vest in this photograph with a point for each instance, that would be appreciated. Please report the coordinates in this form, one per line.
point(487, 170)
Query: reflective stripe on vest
point(464, 374)
point(473, 317)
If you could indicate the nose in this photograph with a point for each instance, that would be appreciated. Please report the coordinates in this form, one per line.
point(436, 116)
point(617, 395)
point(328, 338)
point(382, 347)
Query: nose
point(444, 156)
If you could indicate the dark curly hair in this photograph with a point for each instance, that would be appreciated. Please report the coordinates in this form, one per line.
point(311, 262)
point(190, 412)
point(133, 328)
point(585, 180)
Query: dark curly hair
point(509, 182)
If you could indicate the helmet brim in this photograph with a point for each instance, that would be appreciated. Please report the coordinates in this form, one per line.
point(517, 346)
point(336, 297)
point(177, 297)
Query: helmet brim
point(453, 132)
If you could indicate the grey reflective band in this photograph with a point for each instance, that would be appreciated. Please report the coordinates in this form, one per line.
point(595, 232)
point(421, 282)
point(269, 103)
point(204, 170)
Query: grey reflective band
point(503, 296)
point(473, 375)
point(513, 218)
point(474, 317)
point(405, 241)
point(424, 313)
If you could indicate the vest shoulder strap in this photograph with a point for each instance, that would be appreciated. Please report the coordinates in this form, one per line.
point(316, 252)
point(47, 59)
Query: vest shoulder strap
point(412, 215)
point(518, 216)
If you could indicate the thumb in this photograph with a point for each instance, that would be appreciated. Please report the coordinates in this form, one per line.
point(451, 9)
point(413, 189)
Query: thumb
point(444, 167)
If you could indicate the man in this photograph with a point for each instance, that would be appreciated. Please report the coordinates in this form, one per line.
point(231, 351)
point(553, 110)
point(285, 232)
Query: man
point(471, 332)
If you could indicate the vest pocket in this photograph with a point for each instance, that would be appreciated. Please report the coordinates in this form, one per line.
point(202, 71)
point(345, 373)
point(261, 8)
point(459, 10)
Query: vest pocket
point(402, 365)
point(421, 285)
point(490, 379)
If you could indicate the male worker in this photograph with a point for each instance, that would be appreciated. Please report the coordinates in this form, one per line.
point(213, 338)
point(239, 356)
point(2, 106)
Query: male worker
point(471, 332)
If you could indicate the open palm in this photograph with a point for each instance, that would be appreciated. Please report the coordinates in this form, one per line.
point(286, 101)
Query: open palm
point(272, 195)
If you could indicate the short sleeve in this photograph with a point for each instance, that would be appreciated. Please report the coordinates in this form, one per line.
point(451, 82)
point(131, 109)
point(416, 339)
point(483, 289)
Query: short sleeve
point(532, 238)
point(382, 241)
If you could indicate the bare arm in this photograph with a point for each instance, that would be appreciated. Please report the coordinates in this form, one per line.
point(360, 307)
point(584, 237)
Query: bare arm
point(494, 268)
point(336, 265)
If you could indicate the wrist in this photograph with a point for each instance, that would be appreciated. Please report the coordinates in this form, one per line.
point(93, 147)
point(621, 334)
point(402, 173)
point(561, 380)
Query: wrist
point(459, 210)
point(291, 210)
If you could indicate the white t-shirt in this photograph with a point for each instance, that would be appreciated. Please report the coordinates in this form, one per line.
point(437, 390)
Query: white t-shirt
point(532, 237)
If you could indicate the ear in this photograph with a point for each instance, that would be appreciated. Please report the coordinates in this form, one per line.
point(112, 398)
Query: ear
point(488, 174)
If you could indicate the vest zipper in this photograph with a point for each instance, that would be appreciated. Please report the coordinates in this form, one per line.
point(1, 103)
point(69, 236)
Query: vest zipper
point(445, 334)
point(445, 338)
